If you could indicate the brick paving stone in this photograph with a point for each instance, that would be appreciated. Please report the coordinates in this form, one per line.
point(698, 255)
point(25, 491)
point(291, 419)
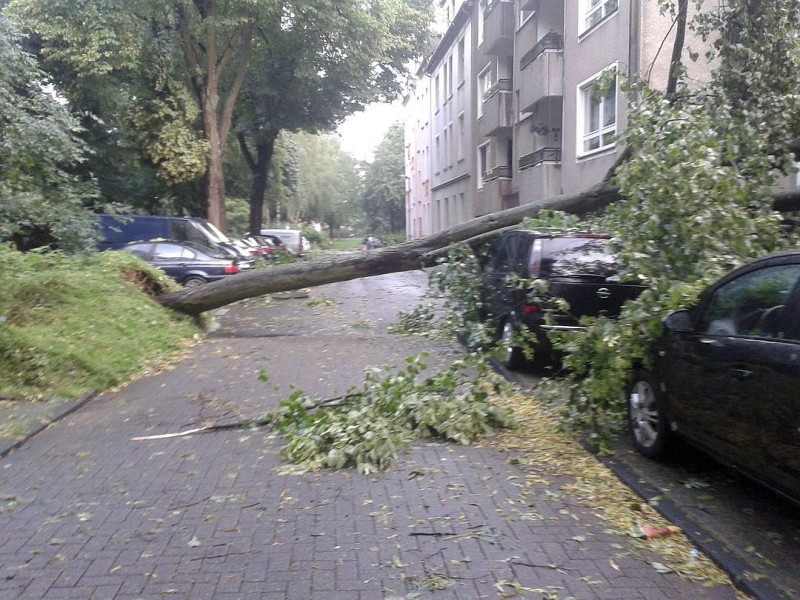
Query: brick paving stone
point(207, 515)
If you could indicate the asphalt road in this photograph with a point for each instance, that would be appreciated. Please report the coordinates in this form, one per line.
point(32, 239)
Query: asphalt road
point(750, 530)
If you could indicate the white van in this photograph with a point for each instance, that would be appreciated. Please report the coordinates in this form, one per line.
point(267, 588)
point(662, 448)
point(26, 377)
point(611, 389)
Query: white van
point(293, 239)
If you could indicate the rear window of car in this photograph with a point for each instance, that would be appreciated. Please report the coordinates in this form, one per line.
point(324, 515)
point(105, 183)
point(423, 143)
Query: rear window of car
point(563, 257)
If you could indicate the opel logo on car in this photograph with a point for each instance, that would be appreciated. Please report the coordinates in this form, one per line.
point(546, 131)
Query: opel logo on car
point(604, 293)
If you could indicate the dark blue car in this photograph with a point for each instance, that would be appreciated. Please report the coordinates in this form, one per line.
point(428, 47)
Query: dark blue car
point(187, 263)
point(727, 376)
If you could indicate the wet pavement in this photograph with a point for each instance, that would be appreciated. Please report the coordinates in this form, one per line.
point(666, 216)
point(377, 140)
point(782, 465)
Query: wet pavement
point(89, 510)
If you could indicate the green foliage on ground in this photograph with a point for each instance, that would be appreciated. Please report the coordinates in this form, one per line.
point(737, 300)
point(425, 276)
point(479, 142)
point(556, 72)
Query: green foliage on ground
point(73, 324)
point(367, 428)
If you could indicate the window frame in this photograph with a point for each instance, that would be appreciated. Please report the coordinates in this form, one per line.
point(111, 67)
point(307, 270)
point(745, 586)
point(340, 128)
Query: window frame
point(605, 8)
point(584, 113)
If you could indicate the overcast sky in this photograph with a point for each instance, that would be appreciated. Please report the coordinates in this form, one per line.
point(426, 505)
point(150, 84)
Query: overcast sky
point(363, 131)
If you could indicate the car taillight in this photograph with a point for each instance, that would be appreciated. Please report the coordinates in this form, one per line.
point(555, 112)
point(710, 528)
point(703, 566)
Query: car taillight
point(530, 308)
point(232, 268)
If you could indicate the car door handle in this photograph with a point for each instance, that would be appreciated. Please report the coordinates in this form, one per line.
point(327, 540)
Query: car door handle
point(710, 342)
point(743, 373)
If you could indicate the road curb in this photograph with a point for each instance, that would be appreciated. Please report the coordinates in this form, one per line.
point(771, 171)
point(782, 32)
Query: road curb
point(735, 567)
point(62, 411)
point(719, 553)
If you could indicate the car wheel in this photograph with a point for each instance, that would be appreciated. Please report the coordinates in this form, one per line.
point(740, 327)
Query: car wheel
point(511, 356)
point(649, 428)
point(193, 281)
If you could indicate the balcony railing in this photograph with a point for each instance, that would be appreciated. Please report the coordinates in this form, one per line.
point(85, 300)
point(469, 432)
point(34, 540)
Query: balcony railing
point(501, 85)
point(498, 28)
point(497, 109)
point(542, 155)
point(551, 41)
point(543, 78)
point(500, 172)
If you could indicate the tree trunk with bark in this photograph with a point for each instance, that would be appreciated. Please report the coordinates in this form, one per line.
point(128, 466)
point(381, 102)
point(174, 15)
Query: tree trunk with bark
point(403, 257)
point(210, 63)
point(259, 169)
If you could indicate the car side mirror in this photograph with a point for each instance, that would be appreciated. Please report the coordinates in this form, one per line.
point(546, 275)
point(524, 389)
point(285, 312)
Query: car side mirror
point(680, 320)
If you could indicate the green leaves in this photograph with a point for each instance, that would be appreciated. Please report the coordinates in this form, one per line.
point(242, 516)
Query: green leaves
point(40, 155)
point(369, 426)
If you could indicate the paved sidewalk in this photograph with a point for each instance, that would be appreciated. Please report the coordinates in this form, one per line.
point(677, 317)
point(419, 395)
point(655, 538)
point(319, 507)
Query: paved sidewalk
point(87, 512)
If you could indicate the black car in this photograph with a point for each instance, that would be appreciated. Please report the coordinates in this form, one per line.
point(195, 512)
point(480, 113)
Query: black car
point(727, 376)
point(187, 263)
point(579, 268)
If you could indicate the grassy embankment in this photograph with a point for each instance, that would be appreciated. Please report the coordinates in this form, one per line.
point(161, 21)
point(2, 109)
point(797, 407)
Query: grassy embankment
point(73, 324)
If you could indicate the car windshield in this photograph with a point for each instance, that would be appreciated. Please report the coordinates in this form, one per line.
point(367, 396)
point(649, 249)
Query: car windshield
point(578, 256)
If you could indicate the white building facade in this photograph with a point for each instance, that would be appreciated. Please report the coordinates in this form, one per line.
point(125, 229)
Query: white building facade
point(513, 111)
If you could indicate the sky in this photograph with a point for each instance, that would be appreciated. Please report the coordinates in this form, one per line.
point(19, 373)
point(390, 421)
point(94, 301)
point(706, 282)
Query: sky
point(362, 132)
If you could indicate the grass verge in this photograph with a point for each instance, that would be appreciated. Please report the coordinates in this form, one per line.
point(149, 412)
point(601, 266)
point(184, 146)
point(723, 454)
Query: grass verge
point(73, 324)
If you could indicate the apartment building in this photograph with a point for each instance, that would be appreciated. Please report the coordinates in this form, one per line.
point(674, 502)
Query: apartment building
point(512, 114)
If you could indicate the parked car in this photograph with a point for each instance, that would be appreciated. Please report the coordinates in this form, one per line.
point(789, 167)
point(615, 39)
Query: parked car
point(118, 230)
point(293, 239)
point(260, 246)
point(727, 376)
point(188, 263)
point(578, 268)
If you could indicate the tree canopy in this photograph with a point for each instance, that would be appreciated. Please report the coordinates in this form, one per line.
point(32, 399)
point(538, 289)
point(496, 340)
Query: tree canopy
point(383, 199)
point(41, 193)
point(179, 76)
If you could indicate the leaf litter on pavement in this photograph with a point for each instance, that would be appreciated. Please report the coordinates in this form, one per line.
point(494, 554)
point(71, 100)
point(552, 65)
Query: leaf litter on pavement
point(545, 452)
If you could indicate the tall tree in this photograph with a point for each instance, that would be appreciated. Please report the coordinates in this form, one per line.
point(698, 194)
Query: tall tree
point(383, 200)
point(323, 61)
point(328, 182)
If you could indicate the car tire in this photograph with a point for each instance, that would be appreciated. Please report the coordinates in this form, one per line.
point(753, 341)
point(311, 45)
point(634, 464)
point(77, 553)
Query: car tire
point(648, 424)
point(511, 356)
point(193, 281)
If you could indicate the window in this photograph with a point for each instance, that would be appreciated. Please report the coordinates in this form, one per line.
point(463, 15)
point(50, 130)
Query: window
point(483, 163)
point(481, 14)
point(597, 113)
point(484, 86)
point(594, 12)
point(460, 139)
point(461, 56)
point(171, 251)
point(446, 161)
point(524, 16)
point(753, 305)
point(449, 77)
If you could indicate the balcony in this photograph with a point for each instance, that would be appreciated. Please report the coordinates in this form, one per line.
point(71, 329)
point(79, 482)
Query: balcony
point(541, 72)
point(542, 155)
point(496, 189)
point(498, 28)
point(498, 114)
point(539, 175)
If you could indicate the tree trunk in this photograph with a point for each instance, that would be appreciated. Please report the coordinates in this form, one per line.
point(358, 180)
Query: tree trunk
point(677, 49)
point(403, 257)
point(259, 169)
point(209, 63)
point(215, 173)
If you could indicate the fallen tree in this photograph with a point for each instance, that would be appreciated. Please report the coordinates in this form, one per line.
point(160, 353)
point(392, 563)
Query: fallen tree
point(402, 257)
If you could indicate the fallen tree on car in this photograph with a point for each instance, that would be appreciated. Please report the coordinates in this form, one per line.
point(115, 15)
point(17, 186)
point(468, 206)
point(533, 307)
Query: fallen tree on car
point(407, 256)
